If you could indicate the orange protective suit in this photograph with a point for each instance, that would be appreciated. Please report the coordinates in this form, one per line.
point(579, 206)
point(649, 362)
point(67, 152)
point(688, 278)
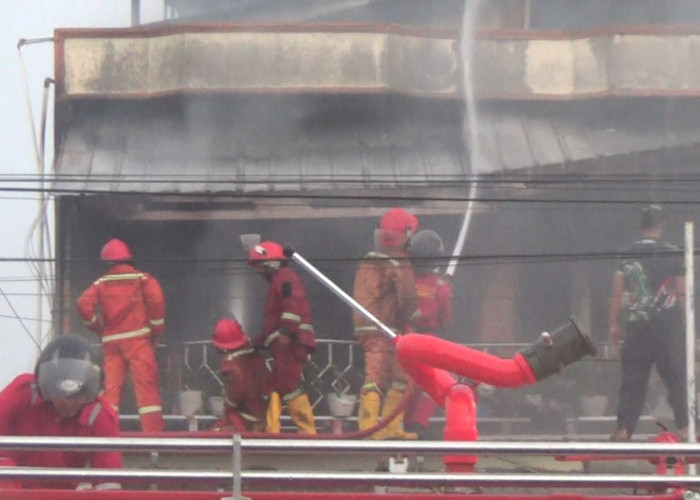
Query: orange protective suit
point(126, 308)
point(384, 285)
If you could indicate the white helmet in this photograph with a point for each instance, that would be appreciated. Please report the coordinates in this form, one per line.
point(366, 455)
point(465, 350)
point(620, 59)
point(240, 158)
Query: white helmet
point(67, 368)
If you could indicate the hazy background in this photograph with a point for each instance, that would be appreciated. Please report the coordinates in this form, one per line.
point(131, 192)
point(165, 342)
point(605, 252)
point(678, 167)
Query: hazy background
point(31, 19)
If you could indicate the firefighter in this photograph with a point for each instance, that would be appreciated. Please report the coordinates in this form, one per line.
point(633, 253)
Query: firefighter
point(287, 333)
point(126, 308)
point(384, 285)
point(433, 289)
point(434, 301)
point(245, 379)
point(61, 398)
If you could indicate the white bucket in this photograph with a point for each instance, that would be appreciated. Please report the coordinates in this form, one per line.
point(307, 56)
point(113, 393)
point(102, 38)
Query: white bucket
point(216, 406)
point(190, 402)
point(341, 405)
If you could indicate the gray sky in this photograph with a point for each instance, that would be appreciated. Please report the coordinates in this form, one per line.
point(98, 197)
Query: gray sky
point(32, 19)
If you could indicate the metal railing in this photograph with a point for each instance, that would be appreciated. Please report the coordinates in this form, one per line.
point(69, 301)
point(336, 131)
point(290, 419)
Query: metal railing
point(337, 366)
point(236, 446)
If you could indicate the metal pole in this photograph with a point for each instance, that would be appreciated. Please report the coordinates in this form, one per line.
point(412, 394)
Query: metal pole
point(237, 465)
point(291, 254)
point(334, 446)
point(135, 12)
point(690, 331)
point(338, 478)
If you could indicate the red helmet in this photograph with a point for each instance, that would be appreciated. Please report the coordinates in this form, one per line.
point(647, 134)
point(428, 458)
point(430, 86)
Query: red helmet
point(115, 250)
point(266, 252)
point(396, 228)
point(228, 335)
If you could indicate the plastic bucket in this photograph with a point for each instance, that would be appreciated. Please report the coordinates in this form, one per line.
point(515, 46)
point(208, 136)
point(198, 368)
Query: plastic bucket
point(190, 402)
point(216, 406)
point(341, 405)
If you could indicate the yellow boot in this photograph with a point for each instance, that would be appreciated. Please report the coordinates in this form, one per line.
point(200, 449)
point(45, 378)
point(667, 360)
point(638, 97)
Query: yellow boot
point(393, 430)
point(368, 412)
point(274, 411)
point(302, 414)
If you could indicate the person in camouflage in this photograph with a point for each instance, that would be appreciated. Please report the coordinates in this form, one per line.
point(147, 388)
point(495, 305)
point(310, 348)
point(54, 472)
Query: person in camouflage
point(647, 295)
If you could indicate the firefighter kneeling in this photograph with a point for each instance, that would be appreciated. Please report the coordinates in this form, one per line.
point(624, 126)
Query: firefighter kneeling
point(246, 379)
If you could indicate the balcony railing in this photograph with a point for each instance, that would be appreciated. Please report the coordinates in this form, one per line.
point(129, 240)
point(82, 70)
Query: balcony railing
point(554, 406)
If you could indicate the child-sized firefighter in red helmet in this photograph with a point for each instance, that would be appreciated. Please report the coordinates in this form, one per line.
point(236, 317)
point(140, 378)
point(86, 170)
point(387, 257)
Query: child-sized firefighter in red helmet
point(287, 333)
point(246, 379)
point(61, 398)
point(434, 300)
point(126, 308)
point(384, 285)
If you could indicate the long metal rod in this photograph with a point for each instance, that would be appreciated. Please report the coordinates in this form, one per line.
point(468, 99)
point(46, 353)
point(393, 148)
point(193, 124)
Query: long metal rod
point(690, 331)
point(237, 467)
point(558, 480)
point(331, 446)
point(339, 292)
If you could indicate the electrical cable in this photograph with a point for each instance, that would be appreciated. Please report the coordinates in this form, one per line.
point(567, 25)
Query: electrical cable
point(19, 318)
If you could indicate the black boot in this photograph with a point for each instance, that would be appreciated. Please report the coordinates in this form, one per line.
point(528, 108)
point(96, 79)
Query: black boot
point(555, 350)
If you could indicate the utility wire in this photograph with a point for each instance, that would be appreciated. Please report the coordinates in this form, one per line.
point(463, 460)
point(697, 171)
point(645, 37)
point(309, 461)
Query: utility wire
point(19, 318)
point(379, 196)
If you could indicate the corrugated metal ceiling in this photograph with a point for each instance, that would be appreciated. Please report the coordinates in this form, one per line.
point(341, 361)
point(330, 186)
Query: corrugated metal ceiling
point(254, 144)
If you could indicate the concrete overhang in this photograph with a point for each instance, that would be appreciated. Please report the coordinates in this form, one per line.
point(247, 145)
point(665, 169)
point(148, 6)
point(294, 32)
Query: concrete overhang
point(159, 60)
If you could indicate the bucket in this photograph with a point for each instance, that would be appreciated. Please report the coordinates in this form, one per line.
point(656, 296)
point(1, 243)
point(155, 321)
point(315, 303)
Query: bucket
point(342, 405)
point(216, 406)
point(189, 402)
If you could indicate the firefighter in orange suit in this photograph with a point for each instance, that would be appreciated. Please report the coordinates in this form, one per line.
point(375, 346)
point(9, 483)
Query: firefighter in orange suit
point(287, 333)
point(246, 379)
point(126, 308)
point(434, 301)
point(384, 285)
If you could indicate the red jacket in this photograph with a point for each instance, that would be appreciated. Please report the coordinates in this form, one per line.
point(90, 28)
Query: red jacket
point(434, 296)
point(287, 308)
point(24, 413)
point(130, 304)
point(246, 379)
